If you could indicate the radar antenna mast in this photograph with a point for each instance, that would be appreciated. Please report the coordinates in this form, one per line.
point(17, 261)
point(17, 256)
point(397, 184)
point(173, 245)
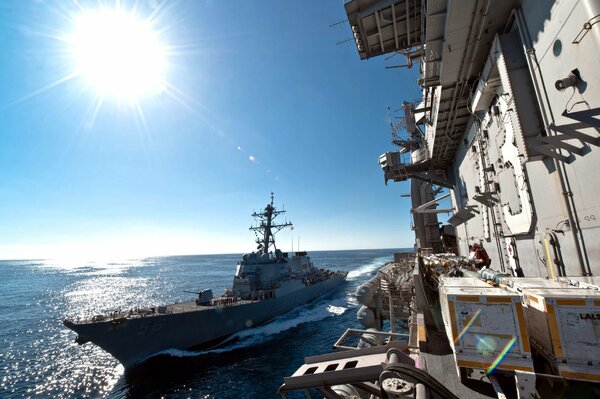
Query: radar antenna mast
point(266, 228)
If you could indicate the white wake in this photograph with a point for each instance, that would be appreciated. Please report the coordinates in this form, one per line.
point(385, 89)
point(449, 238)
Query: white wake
point(304, 314)
point(369, 268)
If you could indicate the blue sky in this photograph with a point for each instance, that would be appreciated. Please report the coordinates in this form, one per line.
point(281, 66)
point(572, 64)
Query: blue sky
point(261, 99)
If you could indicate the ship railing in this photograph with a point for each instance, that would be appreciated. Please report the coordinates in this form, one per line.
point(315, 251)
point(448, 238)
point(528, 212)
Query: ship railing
point(225, 301)
point(160, 310)
point(352, 332)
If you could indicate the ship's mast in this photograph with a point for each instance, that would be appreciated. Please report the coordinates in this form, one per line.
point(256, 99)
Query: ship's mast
point(266, 228)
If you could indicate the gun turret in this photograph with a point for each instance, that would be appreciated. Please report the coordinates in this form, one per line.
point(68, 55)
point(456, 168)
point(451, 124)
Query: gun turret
point(204, 296)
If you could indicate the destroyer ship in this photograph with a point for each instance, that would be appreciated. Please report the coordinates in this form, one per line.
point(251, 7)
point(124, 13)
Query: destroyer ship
point(267, 283)
point(503, 300)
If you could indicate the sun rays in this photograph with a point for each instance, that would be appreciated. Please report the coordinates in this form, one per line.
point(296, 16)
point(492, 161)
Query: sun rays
point(115, 52)
point(132, 64)
point(118, 54)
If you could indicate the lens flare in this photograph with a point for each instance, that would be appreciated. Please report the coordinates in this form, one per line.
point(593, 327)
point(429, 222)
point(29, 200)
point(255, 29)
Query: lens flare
point(501, 356)
point(486, 345)
point(468, 325)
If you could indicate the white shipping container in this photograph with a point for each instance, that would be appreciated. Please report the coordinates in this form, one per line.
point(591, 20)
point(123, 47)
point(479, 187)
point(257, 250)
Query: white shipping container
point(590, 282)
point(486, 328)
point(520, 283)
point(564, 324)
point(462, 282)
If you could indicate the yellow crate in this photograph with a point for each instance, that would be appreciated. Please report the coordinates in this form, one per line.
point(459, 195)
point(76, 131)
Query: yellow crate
point(564, 324)
point(486, 328)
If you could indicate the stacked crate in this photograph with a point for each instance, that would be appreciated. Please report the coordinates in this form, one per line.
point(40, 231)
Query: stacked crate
point(521, 283)
point(485, 326)
point(564, 326)
point(591, 282)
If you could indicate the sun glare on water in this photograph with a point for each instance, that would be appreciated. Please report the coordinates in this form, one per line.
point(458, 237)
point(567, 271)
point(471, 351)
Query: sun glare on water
point(118, 54)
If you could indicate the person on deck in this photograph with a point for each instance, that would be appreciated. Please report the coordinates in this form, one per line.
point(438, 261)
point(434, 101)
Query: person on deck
point(479, 255)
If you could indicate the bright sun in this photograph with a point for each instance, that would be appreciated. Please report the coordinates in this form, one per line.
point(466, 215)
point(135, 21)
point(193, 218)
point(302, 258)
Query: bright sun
point(118, 54)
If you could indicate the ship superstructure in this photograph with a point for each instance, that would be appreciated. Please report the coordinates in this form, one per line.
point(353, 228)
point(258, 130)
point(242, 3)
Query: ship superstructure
point(268, 274)
point(508, 129)
point(266, 284)
point(507, 124)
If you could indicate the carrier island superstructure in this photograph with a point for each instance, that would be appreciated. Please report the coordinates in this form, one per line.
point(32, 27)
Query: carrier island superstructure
point(267, 283)
point(505, 138)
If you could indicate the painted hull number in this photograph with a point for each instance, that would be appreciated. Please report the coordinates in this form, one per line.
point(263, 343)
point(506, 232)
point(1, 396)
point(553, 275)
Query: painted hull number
point(150, 328)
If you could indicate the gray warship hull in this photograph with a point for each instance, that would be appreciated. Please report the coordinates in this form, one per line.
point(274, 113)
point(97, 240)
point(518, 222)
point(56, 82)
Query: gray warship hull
point(132, 339)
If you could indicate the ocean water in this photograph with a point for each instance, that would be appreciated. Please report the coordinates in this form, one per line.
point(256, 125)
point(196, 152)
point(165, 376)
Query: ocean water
point(39, 358)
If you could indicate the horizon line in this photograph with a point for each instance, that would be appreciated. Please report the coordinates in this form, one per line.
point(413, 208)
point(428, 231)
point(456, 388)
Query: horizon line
point(126, 258)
